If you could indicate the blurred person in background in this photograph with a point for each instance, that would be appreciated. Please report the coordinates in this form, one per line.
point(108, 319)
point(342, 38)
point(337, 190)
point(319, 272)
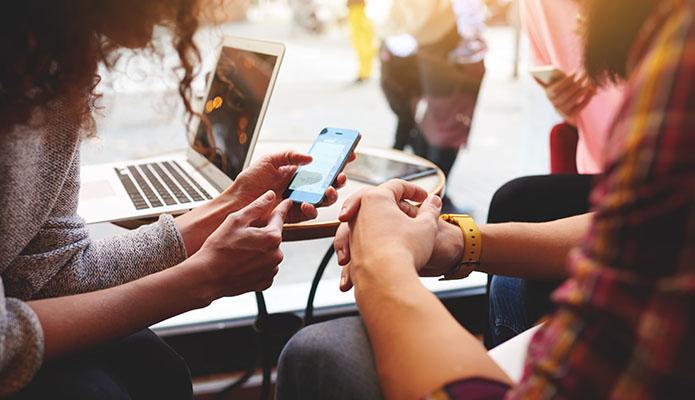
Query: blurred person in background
point(73, 310)
point(624, 324)
point(431, 71)
point(362, 35)
point(555, 31)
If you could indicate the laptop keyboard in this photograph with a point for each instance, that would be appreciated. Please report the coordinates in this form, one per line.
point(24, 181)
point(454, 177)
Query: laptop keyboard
point(157, 184)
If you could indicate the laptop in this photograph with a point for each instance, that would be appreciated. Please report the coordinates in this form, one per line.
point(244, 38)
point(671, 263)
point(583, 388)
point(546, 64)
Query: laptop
point(220, 146)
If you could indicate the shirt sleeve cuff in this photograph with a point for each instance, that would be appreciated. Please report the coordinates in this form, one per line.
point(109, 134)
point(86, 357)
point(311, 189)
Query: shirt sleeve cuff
point(21, 347)
point(158, 245)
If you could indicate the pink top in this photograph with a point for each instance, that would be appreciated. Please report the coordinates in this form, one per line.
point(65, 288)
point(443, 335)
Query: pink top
point(552, 29)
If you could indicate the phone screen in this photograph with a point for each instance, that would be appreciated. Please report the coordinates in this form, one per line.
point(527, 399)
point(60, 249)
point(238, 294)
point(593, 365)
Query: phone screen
point(330, 152)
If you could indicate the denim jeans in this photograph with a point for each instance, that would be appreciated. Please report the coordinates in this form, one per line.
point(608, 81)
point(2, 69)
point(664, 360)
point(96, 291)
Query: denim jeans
point(517, 304)
point(508, 316)
point(331, 360)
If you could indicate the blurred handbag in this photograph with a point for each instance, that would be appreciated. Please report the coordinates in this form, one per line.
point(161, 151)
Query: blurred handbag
point(451, 73)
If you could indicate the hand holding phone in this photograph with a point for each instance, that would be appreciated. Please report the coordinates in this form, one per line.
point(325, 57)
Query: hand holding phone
point(330, 152)
point(569, 94)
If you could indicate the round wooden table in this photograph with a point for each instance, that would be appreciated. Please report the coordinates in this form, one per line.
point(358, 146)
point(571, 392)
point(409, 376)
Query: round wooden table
point(326, 224)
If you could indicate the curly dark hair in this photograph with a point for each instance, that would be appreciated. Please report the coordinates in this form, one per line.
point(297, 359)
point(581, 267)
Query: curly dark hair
point(51, 50)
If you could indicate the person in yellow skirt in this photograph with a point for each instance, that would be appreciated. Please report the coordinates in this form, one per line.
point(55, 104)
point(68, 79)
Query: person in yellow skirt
point(362, 38)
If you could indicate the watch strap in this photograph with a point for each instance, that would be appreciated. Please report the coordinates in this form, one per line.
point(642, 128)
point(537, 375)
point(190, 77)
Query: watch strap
point(472, 245)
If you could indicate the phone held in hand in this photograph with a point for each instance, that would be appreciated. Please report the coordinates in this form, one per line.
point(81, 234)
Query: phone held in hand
point(330, 153)
point(547, 74)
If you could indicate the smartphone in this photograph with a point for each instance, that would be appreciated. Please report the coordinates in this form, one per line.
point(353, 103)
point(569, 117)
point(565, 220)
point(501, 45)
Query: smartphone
point(330, 153)
point(547, 74)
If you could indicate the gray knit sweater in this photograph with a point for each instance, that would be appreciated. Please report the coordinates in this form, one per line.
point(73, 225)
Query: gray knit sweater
point(45, 249)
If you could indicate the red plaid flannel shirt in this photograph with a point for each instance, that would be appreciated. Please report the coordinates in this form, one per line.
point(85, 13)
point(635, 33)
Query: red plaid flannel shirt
point(625, 328)
point(625, 324)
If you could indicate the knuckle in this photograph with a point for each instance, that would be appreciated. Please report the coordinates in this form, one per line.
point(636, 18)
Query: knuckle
point(340, 235)
point(273, 239)
point(277, 239)
point(266, 284)
point(359, 194)
point(232, 219)
point(277, 257)
point(395, 183)
point(267, 159)
point(373, 194)
point(433, 222)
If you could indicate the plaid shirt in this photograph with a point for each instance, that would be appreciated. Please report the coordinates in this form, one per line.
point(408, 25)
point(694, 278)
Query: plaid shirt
point(625, 326)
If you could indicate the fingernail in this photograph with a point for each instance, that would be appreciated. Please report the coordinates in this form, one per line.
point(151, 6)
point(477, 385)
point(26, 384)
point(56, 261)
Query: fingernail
point(436, 201)
point(268, 195)
point(343, 280)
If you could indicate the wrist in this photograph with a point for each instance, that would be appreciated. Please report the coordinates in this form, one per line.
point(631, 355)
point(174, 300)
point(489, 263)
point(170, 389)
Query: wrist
point(384, 286)
point(383, 273)
point(196, 225)
point(195, 283)
point(455, 242)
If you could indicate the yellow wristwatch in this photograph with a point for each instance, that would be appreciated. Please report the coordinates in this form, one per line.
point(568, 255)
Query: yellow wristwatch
point(472, 246)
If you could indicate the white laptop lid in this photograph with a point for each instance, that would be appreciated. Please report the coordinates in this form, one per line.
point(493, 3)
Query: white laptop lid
point(238, 94)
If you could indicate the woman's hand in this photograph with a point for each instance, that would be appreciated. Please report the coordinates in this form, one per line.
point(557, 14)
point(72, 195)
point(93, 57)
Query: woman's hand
point(243, 254)
point(447, 251)
point(570, 95)
point(272, 172)
point(385, 229)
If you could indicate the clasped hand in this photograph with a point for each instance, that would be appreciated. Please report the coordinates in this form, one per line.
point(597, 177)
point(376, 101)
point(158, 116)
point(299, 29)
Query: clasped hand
point(381, 225)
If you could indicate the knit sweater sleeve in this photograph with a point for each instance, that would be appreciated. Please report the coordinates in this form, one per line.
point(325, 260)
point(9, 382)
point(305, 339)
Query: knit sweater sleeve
point(87, 265)
point(21, 344)
point(45, 248)
point(61, 259)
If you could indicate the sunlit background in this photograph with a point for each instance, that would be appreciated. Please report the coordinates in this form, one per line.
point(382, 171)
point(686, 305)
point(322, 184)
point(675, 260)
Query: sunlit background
point(141, 114)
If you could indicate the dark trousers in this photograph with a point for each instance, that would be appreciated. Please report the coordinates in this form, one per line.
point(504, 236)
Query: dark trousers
point(140, 366)
point(400, 82)
point(517, 304)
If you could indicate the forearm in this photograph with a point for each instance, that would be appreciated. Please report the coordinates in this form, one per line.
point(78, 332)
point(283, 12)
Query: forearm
point(72, 323)
point(76, 264)
point(531, 250)
point(418, 345)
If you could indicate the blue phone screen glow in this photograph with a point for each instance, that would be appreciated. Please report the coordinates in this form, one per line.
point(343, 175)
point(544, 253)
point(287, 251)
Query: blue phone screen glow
point(328, 153)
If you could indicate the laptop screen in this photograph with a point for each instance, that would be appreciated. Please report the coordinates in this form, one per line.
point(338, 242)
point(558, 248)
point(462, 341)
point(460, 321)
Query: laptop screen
point(233, 107)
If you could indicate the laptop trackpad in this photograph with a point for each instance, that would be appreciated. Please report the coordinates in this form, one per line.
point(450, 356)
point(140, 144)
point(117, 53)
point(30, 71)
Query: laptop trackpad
point(92, 190)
